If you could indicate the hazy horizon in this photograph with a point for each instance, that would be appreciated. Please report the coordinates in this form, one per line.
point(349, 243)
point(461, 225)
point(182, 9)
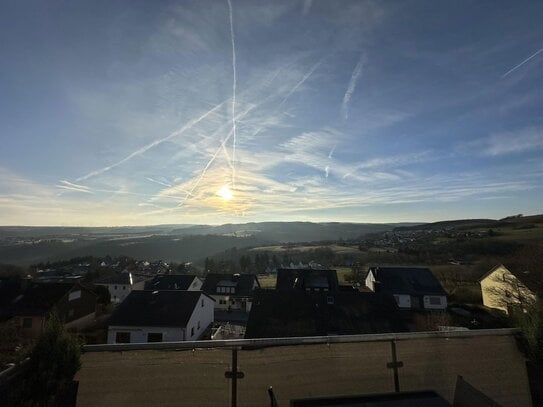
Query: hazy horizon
point(149, 113)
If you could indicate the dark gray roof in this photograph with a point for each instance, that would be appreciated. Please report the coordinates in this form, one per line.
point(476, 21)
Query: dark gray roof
point(170, 282)
point(290, 313)
point(407, 280)
point(119, 278)
point(156, 308)
point(243, 283)
point(39, 298)
point(301, 279)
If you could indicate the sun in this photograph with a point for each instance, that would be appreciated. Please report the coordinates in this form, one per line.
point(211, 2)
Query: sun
point(225, 193)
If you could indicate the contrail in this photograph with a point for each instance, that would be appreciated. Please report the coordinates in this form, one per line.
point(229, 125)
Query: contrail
point(352, 86)
point(233, 92)
point(214, 156)
point(158, 182)
point(331, 153)
point(522, 63)
point(74, 187)
point(155, 143)
point(300, 83)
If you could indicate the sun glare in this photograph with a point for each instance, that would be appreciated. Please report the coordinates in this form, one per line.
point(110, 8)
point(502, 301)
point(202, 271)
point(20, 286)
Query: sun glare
point(225, 193)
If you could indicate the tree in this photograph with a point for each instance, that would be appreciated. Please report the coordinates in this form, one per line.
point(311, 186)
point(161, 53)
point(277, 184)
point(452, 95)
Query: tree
point(53, 363)
point(357, 274)
point(530, 322)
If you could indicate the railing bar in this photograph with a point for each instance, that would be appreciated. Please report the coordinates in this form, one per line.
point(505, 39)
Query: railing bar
point(268, 342)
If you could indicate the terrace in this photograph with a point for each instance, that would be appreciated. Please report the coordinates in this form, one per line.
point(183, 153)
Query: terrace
point(240, 372)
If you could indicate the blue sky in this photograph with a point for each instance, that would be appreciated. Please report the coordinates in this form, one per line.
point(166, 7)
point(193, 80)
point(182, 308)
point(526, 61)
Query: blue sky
point(123, 113)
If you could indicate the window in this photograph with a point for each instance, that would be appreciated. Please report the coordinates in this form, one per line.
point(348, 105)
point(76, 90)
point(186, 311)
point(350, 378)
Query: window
point(192, 331)
point(115, 287)
point(124, 287)
point(74, 295)
point(330, 300)
point(27, 322)
point(154, 337)
point(202, 303)
point(198, 324)
point(122, 337)
point(222, 301)
point(435, 300)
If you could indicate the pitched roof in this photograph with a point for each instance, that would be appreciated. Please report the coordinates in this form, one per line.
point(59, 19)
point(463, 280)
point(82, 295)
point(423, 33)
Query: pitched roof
point(170, 282)
point(243, 282)
point(408, 280)
point(119, 278)
point(277, 313)
point(301, 279)
point(156, 308)
point(39, 298)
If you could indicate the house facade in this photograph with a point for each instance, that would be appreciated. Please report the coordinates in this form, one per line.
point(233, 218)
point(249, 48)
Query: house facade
point(412, 287)
point(161, 316)
point(75, 305)
point(121, 285)
point(501, 289)
point(231, 292)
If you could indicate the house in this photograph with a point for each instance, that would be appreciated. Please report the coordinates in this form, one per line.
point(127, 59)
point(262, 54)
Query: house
point(307, 280)
point(503, 289)
point(74, 303)
point(231, 292)
point(291, 313)
point(412, 287)
point(184, 282)
point(120, 285)
point(161, 316)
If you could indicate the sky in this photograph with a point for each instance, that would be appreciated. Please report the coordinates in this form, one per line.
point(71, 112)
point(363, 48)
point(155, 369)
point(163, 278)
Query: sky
point(210, 112)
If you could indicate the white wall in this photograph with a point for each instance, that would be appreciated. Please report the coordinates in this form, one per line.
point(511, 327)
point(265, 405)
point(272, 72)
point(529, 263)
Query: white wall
point(370, 280)
point(403, 300)
point(196, 285)
point(442, 302)
point(118, 292)
point(230, 301)
point(204, 315)
point(139, 334)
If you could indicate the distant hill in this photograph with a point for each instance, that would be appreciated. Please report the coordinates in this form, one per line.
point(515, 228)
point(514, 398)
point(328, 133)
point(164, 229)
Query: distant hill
point(26, 245)
point(167, 248)
point(517, 221)
point(447, 224)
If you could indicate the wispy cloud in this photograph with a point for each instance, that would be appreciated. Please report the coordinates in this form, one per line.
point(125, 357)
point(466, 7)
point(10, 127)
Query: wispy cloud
point(352, 86)
point(510, 142)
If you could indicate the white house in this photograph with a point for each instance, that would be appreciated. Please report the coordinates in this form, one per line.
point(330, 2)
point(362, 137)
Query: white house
point(161, 316)
point(412, 287)
point(231, 292)
point(120, 285)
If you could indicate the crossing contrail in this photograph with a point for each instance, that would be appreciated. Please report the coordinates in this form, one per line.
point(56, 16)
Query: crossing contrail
point(155, 143)
point(522, 63)
point(233, 92)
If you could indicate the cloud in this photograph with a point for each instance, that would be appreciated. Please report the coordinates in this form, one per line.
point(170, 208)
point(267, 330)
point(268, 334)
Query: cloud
point(510, 142)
